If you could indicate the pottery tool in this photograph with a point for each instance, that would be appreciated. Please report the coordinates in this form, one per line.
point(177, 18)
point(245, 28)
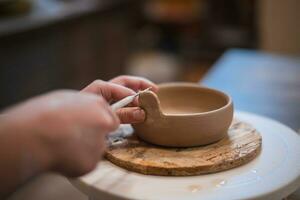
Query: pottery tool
point(127, 100)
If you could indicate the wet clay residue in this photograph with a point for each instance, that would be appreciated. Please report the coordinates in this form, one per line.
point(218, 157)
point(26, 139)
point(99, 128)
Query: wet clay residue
point(194, 188)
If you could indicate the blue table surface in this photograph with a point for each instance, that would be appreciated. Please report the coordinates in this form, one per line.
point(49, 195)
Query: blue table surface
point(260, 82)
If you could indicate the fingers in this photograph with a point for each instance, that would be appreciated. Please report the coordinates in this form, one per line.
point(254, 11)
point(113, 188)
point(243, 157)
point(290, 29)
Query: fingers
point(120, 87)
point(110, 91)
point(135, 83)
point(106, 118)
point(131, 115)
point(91, 111)
point(107, 121)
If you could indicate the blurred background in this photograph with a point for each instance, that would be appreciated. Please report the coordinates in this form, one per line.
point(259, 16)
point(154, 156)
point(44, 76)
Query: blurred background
point(51, 44)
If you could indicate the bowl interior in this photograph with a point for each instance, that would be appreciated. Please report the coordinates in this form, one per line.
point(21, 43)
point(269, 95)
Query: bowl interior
point(190, 99)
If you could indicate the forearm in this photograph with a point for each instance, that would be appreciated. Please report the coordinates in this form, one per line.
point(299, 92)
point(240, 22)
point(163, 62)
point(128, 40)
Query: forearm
point(21, 156)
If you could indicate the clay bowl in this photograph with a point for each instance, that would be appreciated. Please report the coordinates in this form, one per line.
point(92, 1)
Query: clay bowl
point(184, 115)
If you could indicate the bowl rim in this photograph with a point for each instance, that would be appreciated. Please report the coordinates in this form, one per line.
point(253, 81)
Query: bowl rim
point(195, 85)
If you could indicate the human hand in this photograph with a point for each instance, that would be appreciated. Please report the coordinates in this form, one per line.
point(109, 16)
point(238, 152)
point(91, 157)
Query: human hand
point(63, 131)
point(119, 88)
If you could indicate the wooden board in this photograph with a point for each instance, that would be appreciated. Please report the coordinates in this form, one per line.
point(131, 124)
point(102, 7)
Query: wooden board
point(241, 146)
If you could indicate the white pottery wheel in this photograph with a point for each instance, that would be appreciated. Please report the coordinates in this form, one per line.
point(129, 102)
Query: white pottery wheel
point(274, 174)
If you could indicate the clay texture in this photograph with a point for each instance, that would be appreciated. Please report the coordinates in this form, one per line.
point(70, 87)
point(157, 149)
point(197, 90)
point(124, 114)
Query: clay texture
point(184, 115)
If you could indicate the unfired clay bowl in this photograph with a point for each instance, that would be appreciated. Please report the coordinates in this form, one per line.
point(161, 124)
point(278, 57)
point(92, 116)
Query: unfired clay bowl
point(184, 115)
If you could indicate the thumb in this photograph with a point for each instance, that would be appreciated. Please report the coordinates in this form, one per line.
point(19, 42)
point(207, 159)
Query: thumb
point(130, 115)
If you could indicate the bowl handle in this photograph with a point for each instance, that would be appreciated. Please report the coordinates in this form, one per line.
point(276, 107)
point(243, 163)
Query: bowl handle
point(150, 103)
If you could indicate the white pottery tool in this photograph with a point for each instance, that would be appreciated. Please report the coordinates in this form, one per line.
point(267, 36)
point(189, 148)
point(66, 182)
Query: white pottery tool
point(127, 100)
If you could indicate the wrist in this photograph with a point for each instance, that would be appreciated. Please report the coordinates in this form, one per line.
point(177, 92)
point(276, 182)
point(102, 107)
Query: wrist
point(23, 136)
